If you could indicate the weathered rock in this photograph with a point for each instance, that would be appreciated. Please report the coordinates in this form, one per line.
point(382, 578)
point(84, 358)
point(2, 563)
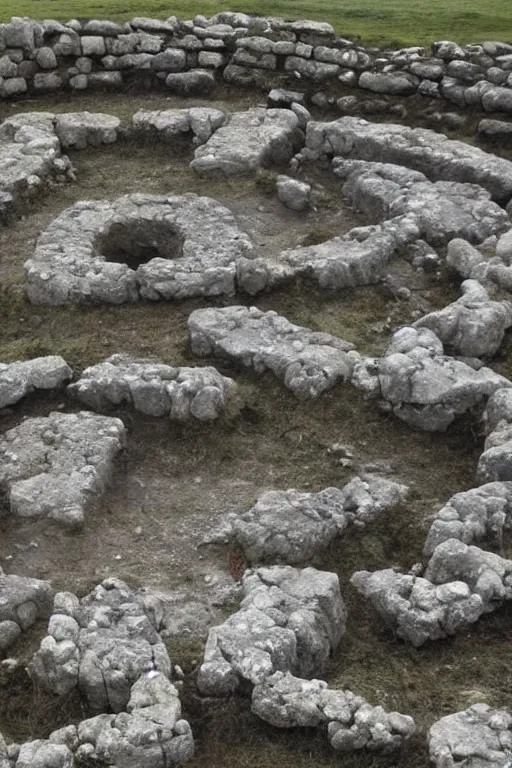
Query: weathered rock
point(394, 83)
point(43, 754)
point(441, 210)
point(293, 193)
point(201, 122)
point(289, 621)
point(293, 527)
point(423, 150)
point(480, 513)
point(358, 258)
point(20, 378)
point(151, 733)
point(139, 246)
point(249, 140)
point(102, 644)
point(352, 723)
point(196, 81)
point(53, 466)
point(495, 130)
point(472, 326)
point(154, 389)
point(85, 129)
point(479, 736)
point(421, 385)
point(307, 362)
point(22, 602)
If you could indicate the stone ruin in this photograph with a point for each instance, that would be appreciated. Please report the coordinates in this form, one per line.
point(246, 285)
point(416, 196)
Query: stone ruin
point(439, 202)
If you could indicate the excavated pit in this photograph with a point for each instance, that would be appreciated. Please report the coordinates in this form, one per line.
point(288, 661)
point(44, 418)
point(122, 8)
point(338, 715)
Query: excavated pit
point(140, 242)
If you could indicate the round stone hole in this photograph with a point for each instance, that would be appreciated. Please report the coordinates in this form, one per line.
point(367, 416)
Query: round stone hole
point(136, 242)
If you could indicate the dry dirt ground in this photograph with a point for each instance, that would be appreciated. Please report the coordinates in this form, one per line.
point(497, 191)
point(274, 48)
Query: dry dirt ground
point(174, 482)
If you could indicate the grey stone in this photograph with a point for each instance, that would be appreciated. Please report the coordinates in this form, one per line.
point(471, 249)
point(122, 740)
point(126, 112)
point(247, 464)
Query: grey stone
point(109, 644)
point(44, 754)
point(422, 386)
point(93, 45)
point(47, 81)
point(290, 620)
point(248, 58)
point(293, 527)
point(497, 99)
point(20, 378)
point(313, 70)
point(46, 58)
point(472, 326)
point(495, 130)
point(441, 210)
point(196, 81)
point(85, 129)
point(201, 122)
point(53, 466)
point(154, 389)
point(249, 140)
point(470, 516)
point(420, 149)
point(170, 60)
point(394, 83)
point(14, 86)
point(22, 602)
point(172, 256)
point(293, 193)
point(308, 363)
point(479, 736)
point(105, 79)
point(352, 723)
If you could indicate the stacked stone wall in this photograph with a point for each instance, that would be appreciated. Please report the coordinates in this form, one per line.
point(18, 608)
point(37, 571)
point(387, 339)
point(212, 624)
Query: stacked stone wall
point(234, 48)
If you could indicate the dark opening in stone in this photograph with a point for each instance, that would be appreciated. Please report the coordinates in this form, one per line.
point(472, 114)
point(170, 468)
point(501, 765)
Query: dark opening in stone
point(137, 242)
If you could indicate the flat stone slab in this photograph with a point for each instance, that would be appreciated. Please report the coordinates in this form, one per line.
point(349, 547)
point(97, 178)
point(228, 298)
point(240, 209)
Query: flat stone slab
point(307, 362)
point(79, 130)
point(54, 466)
point(250, 140)
point(169, 124)
point(358, 258)
point(22, 602)
point(442, 210)
point(479, 736)
point(421, 385)
point(470, 516)
point(20, 378)
point(30, 154)
point(136, 247)
point(290, 620)
point(292, 527)
point(154, 389)
point(102, 644)
point(421, 149)
point(352, 723)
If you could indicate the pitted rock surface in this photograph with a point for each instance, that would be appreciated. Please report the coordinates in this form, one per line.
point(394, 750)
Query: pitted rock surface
point(201, 122)
point(54, 466)
point(358, 258)
point(154, 389)
point(470, 516)
point(177, 247)
point(421, 149)
point(415, 609)
point(442, 210)
point(20, 378)
point(30, 154)
point(151, 732)
point(79, 130)
point(479, 736)
point(292, 527)
point(290, 620)
point(352, 723)
point(22, 602)
point(307, 362)
point(473, 326)
point(251, 139)
point(102, 644)
point(421, 385)
point(490, 264)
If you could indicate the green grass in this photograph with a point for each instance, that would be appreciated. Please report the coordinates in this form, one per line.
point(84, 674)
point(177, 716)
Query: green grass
point(388, 22)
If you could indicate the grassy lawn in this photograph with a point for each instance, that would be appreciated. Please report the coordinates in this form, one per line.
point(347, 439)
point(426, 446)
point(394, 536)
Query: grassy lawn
point(388, 22)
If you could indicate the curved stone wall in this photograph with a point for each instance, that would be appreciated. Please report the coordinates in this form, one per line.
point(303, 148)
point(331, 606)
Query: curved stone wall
point(194, 56)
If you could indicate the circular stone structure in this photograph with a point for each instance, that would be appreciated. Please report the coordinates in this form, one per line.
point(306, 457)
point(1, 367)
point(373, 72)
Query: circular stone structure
point(137, 247)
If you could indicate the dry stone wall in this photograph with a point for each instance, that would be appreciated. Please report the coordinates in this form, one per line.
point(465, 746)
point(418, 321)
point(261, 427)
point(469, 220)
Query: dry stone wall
point(194, 55)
